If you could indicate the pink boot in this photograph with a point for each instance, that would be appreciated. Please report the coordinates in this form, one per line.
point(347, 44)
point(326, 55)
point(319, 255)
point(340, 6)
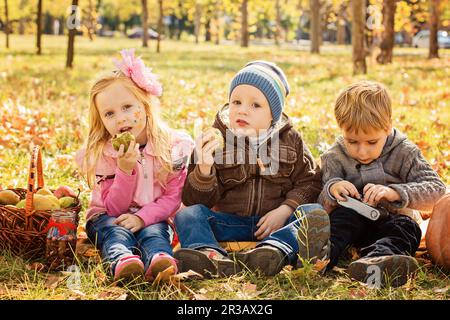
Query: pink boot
point(161, 262)
point(128, 267)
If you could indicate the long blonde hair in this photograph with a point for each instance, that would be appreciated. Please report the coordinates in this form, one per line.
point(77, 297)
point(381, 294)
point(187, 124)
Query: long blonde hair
point(158, 133)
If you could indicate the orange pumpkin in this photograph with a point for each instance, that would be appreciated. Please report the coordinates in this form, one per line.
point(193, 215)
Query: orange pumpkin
point(438, 233)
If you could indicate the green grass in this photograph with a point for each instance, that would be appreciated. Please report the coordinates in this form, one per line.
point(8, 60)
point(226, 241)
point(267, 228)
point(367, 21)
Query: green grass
point(42, 101)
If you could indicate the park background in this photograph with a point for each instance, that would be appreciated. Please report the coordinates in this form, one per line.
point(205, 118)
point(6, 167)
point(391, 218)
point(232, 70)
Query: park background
point(196, 47)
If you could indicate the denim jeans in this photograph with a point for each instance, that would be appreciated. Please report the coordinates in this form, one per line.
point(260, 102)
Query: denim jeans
point(199, 227)
point(116, 242)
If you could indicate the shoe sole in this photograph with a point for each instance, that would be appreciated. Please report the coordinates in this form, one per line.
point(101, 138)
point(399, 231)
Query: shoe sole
point(189, 259)
point(313, 234)
point(158, 267)
point(393, 270)
point(268, 261)
point(130, 271)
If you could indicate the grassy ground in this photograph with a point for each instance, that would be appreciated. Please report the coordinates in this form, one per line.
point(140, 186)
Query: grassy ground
point(43, 102)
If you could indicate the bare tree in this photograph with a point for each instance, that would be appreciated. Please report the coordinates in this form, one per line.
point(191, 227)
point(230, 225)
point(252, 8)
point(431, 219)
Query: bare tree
point(39, 27)
point(160, 25)
point(315, 25)
point(144, 24)
point(387, 40)
point(244, 23)
point(434, 25)
point(6, 24)
point(71, 38)
point(359, 52)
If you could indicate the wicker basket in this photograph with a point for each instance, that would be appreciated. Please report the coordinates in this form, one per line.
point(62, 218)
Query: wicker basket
point(23, 231)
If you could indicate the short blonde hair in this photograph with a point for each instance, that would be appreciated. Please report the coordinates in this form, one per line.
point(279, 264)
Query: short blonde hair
point(363, 105)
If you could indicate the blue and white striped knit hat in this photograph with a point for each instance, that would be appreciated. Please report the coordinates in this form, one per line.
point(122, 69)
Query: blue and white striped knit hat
point(267, 77)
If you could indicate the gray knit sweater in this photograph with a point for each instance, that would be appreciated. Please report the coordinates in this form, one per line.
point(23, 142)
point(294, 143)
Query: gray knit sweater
point(401, 166)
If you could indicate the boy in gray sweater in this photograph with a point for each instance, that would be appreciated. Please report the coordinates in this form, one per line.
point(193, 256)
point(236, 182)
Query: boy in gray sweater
point(377, 164)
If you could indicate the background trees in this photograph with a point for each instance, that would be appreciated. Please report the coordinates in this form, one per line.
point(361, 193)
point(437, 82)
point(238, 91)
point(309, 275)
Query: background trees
point(379, 24)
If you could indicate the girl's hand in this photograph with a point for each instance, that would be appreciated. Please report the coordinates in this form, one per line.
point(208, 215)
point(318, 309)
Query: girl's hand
point(130, 221)
point(127, 160)
point(341, 188)
point(272, 221)
point(205, 145)
point(373, 193)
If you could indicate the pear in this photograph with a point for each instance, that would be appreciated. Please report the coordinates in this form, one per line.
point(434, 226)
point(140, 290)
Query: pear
point(122, 138)
point(66, 202)
point(21, 204)
point(218, 136)
point(41, 202)
point(9, 197)
point(44, 191)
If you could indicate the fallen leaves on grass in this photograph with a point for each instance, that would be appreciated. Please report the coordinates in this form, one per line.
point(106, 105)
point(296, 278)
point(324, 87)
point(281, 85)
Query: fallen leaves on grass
point(53, 281)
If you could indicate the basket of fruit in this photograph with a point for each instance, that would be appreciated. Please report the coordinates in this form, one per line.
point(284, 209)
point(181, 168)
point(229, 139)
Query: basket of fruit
point(25, 213)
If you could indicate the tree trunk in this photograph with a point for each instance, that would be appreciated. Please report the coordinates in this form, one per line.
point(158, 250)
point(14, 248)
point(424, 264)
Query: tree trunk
point(244, 23)
point(6, 24)
point(359, 52)
point(217, 22)
point(160, 26)
point(341, 23)
point(71, 41)
point(197, 20)
point(434, 25)
point(144, 24)
point(315, 25)
point(278, 23)
point(208, 28)
point(39, 27)
point(387, 40)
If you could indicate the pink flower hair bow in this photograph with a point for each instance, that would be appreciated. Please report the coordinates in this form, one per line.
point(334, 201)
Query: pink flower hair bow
point(134, 68)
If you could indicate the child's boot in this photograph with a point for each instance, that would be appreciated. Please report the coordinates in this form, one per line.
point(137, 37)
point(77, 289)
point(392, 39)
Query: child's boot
point(267, 259)
point(380, 271)
point(313, 235)
point(207, 262)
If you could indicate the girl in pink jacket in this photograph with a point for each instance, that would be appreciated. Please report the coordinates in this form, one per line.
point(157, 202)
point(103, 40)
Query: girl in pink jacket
point(135, 191)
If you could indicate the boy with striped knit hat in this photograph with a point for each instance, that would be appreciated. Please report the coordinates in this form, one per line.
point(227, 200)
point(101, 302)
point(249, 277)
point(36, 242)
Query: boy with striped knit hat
point(251, 189)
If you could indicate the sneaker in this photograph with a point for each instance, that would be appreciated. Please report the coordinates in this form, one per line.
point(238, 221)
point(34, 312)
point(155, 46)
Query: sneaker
point(128, 267)
point(160, 263)
point(267, 259)
point(380, 271)
point(207, 262)
point(313, 235)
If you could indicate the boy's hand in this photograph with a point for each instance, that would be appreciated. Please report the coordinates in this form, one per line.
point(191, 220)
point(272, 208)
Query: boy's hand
point(272, 221)
point(341, 188)
point(373, 193)
point(127, 160)
point(205, 145)
point(130, 221)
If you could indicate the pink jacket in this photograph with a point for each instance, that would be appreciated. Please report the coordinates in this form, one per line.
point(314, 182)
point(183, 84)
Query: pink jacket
point(117, 193)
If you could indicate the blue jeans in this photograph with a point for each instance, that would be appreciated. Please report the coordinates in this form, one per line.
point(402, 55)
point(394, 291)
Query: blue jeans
point(116, 242)
point(199, 227)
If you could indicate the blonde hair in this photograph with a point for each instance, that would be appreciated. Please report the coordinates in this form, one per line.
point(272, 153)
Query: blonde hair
point(363, 105)
point(158, 133)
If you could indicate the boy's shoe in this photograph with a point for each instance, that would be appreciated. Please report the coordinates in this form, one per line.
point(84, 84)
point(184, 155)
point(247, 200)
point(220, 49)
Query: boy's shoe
point(128, 267)
point(160, 263)
point(379, 271)
point(314, 235)
point(267, 259)
point(207, 262)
